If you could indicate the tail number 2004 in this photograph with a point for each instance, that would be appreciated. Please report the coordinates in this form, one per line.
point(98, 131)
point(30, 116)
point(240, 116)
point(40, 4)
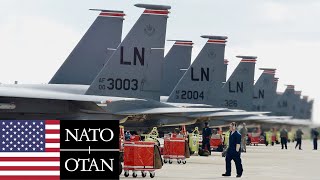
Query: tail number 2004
point(120, 84)
point(189, 95)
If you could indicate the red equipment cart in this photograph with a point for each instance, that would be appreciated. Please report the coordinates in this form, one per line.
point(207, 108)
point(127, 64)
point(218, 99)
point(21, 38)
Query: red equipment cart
point(174, 148)
point(255, 138)
point(141, 156)
point(216, 142)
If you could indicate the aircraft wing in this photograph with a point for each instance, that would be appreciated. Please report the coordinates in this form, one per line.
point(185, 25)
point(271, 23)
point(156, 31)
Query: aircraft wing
point(283, 120)
point(180, 124)
point(226, 113)
point(114, 105)
point(259, 117)
point(48, 94)
point(188, 105)
point(167, 110)
point(296, 122)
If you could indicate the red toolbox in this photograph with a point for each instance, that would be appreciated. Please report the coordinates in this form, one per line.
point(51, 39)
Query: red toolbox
point(141, 156)
point(216, 141)
point(255, 138)
point(174, 148)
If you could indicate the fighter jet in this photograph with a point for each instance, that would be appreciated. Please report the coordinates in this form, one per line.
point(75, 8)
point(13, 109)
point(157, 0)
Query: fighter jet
point(264, 90)
point(236, 93)
point(266, 96)
point(128, 83)
point(93, 50)
point(290, 103)
point(203, 82)
point(285, 102)
point(176, 62)
point(200, 81)
point(303, 107)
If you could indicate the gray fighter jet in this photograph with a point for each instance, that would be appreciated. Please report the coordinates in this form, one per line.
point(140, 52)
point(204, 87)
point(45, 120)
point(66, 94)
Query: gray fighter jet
point(203, 80)
point(128, 83)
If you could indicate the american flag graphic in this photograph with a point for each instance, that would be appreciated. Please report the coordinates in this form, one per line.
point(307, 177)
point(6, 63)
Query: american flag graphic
point(29, 149)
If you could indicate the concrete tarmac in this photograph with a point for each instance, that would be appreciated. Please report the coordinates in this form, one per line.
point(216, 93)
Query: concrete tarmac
point(259, 163)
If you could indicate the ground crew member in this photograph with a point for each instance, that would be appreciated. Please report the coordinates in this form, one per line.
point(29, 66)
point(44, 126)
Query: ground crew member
point(206, 136)
point(234, 152)
point(299, 134)
point(127, 136)
point(314, 135)
point(244, 132)
point(284, 138)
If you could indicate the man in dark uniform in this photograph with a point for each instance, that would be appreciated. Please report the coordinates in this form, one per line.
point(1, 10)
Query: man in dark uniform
point(314, 135)
point(299, 134)
point(206, 136)
point(284, 138)
point(233, 152)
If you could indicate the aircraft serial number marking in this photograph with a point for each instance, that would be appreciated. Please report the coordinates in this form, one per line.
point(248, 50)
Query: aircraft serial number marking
point(189, 95)
point(231, 103)
point(119, 84)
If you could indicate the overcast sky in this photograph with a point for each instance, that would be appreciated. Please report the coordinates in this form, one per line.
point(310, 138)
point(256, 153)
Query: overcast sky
point(36, 36)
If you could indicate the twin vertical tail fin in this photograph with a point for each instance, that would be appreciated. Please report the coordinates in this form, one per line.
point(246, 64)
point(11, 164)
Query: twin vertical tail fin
point(176, 61)
point(264, 92)
point(95, 47)
point(299, 106)
point(238, 90)
point(204, 77)
point(284, 105)
point(307, 108)
point(134, 69)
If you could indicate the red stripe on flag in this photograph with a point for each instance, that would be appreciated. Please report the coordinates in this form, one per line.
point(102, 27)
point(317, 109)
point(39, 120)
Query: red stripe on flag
point(52, 131)
point(30, 177)
point(52, 140)
point(29, 159)
point(24, 168)
point(52, 149)
point(53, 122)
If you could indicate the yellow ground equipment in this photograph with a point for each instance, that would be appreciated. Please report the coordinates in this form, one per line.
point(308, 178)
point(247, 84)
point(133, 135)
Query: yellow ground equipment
point(291, 136)
point(194, 138)
point(152, 136)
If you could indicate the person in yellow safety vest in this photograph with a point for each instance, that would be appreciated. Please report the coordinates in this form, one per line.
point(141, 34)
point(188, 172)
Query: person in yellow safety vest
point(268, 137)
point(290, 136)
point(226, 138)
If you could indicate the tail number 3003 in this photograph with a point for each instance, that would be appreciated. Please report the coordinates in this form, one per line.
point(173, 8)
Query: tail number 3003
point(120, 84)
